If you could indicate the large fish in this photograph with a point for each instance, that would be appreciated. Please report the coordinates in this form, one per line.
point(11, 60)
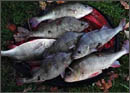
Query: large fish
point(64, 43)
point(30, 50)
point(52, 66)
point(54, 29)
point(93, 64)
point(93, 40)
point(76, 10)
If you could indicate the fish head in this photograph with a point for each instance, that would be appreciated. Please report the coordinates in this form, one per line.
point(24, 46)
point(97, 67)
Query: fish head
point(82, 10)
point(81, 51)
point(88, 9)
point(83, 25)
point(71, 76)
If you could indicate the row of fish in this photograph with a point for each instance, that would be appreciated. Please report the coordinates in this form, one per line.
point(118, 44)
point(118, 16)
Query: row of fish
point(67, 46)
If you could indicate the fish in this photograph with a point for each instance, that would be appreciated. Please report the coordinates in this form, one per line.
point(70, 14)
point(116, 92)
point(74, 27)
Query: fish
point(76, 10)
point(28, 51)
point(91, 41)
point(54, 29)
point(51, 67)
point(92, 65)
point(65, 43)
point(126, 33)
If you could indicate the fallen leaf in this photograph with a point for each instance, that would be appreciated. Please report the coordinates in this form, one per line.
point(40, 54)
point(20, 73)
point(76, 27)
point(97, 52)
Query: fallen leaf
point(11, 27)
point(125, 4)
point(127, 25)
point(42, 5)
point(53, 89)
point(60, 2)
point(26, 90)
point(127, 78)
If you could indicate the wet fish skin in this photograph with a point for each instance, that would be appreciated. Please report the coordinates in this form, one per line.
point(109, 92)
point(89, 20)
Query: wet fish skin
point(93, 40)
point(55, 28)
point(52, 67)
point(93, 63)
point(30, 50)
point(76, 10)
point(58, 27)
point(64, 43)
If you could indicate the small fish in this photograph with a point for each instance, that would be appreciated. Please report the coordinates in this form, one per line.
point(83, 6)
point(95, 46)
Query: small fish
point(30, 50)
point(76, 10)
point(52, 67)
point(93, 40)
point(54, 29)
point(93, 64)
point(65, 43)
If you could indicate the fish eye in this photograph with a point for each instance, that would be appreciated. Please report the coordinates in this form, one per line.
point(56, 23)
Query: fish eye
point(82, 24)
point(49, 31)
point(38, 78)
point(79, 52)
point(69, 73)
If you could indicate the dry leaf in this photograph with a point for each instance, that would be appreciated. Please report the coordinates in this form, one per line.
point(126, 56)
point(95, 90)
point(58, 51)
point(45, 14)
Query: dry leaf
point(60, 2)
point(53, 89)
point(11, 27)
point(127, 78)
point(26, 90)
point(42, 5)
point(127, 25)
point(126, 6)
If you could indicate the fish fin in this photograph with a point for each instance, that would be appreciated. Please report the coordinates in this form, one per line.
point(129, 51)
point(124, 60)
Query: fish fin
point(94, 49)
point(122, 23)
point(126, 46)
point(104, 27)
point(62, 74)
point(95, 74)
point(115, 64)
point(71, 46)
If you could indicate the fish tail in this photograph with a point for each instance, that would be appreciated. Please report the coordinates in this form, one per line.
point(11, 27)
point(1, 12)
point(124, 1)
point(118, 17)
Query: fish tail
point(126, 46)
point(4, 53)
point(122, 24)
point(8, 52)
point(22, 34)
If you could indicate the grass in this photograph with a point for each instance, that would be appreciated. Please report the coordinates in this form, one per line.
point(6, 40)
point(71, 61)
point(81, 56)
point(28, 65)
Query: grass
point(19, 12)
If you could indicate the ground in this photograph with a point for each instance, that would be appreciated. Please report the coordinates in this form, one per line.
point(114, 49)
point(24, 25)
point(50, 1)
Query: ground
point(19, 12)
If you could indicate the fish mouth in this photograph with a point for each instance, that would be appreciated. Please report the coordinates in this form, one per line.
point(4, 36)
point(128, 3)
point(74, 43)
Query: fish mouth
point(75, 57)
point(90, 10)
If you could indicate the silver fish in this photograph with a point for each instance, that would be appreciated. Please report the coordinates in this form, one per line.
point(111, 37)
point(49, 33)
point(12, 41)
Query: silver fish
point(52, 67)
point(76, 10)
point(64, 43)
point(54, 29)
point(29, 50)
point(93, 64)
point(93, 40)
